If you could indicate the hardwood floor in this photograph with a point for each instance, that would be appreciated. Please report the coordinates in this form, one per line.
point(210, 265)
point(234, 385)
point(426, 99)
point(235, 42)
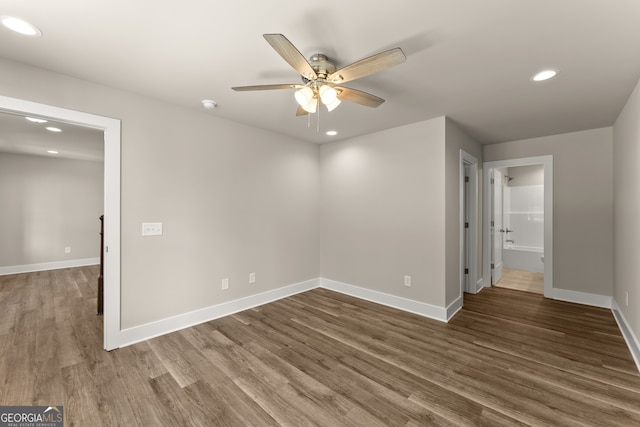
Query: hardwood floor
point(318, 358)
point(521, 280)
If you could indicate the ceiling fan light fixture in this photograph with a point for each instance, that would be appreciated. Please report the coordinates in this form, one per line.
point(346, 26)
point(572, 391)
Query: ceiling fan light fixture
point(328, 95)
point(333, 105)
point(312, 106)
point(320, 77)
point(304, 96)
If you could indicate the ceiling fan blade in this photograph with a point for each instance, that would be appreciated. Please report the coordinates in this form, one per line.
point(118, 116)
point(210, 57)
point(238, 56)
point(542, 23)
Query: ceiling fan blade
point(358, 97)
point(291, 54)
point(367, 66)
point(267, 87)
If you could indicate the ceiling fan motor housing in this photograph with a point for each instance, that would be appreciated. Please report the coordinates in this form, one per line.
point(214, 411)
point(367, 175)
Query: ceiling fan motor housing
point(321, 65)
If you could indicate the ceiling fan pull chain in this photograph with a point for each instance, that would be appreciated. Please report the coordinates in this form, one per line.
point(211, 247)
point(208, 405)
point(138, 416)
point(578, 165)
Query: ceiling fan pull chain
point(318, 121)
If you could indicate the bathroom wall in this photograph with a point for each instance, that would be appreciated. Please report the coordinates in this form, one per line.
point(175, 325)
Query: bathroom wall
point(524, 207)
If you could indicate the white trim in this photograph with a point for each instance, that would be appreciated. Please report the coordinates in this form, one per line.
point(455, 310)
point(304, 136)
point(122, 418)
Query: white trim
point(454, 308)
point(577, 297)
point(479, 285)
point(55, 265)
point(472, 162)
point(547, 162)
point(181, 321)
point(111, 128)
point(404, 304)
point(171, 324)
point(632, 341)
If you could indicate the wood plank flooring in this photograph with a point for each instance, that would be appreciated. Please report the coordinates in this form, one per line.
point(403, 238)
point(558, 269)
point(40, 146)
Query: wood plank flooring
point(521, 280)
point(319, 358)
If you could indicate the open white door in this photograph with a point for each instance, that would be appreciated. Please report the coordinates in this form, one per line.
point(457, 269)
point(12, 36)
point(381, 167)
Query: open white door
point(496, 229)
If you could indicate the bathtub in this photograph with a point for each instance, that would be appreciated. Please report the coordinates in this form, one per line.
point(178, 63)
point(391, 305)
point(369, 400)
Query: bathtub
point(523, 258)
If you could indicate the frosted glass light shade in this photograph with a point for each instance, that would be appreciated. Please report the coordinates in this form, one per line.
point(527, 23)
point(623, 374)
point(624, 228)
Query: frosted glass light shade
point(312, 106)
point(328, 94)
point(304, 96)
point(333, 105)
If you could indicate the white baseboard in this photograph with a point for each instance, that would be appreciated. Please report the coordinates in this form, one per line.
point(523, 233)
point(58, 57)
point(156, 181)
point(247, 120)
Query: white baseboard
point(164, 326)
point(56, 265)
point(416, 307)
point(454, 307)
point(161, 327)
point(477, 287)
point(632, 341)
point(581, 298)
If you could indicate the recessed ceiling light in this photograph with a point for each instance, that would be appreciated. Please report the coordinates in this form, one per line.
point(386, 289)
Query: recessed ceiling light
point(332, 133)
point(52, 152)
point(20, 26)
point(52, 129)
point(544, 75)
point(35, 120)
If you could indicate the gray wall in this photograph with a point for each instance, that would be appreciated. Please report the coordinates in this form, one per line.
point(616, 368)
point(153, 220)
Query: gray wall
point(626, 175)
point(365, 211)
point(49, 204)
point(382, 202)
point(582, 204)
point(223, 191)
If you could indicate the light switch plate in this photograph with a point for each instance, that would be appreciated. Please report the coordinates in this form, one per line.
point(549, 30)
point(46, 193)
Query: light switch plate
point(152, 229)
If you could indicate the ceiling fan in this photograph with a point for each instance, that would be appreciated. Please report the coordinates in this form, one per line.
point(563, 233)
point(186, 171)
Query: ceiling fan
point(321, 82)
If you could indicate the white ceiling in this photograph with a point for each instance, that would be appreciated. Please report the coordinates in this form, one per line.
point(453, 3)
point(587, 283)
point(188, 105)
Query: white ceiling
point(20, 136)
point(470, 60)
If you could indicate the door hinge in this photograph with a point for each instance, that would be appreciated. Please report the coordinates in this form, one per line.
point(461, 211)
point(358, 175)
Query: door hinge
point(492, 181)
point(466, 179)
point(466, 225)
point(493, 266)
point(492, 223)
point(466, 271)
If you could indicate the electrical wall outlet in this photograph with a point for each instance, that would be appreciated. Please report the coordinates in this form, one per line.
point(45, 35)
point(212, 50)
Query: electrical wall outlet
point(407, 280)
point(67, 250)
point(225, 284)
point(252, 277)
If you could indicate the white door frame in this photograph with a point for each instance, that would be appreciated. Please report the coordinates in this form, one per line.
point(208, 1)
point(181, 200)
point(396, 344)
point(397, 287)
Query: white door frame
point(111, 129)
point(497, 221)
point(467, 160)
point(547, 163)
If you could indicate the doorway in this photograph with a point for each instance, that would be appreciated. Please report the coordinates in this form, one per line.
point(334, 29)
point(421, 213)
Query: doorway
point(111, 129)
point(520, 221)
point(518, 225)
